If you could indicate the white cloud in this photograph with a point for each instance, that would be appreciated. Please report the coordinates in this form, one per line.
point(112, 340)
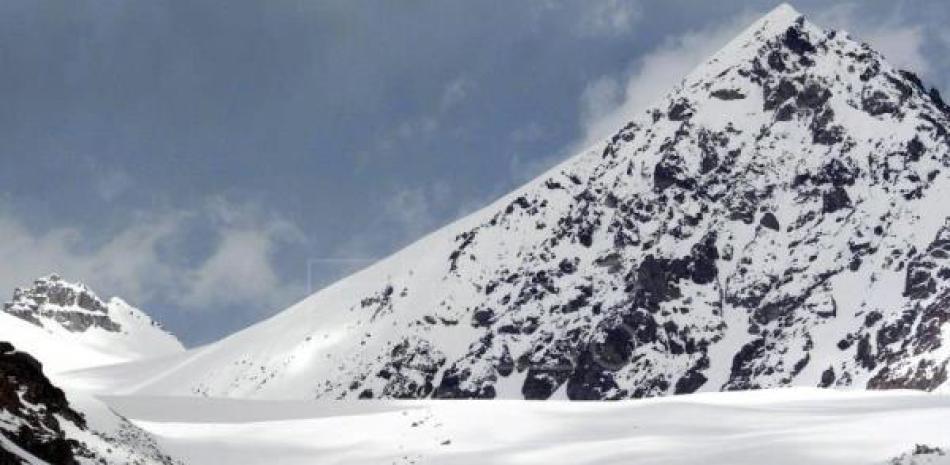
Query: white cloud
point(523, 169)
point(902, 47)
point(241, 269)
point(405, 214)
point(945, 48)
point(454, 93)
point(531, 132)
point(112, 184)
point(901, 43)
point(413, 209)
point(424, 125)
point(605, 18)
point(133, 262)
point(600, 97)
point(609, 102)
point(120, 264)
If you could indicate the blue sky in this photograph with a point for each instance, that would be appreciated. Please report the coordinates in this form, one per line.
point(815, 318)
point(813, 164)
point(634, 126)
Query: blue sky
point(213, 162)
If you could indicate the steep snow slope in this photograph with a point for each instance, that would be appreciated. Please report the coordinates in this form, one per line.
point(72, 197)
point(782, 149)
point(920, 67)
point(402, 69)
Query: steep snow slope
point(779, 218)
point(68, 327)
point(788, 426)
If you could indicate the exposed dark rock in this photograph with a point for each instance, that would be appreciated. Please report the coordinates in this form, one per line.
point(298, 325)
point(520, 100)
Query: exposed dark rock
point(591, 379)
point(823, 132)
point(925, 271)
point(835, 200)
point(27, 394)
point(779, 94)
point(451, 386)
point(915, 149)
point(411, 369)
point(813, 96)
point(743, 363)
point(543, 379)
point(690, 382)
point(727, 94)
point(797, 42)
point(878, 103)
point(777, 61)
point(937, 99)
point(769, 221)
point(680, 111)
point(669, 172)
point(785, 113)
point(613, 262)
point(483, 317)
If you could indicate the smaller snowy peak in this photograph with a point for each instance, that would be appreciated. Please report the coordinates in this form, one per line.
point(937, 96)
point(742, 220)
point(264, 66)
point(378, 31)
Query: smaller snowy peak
point(51, 300)
point(68, 326)
point(922, 454)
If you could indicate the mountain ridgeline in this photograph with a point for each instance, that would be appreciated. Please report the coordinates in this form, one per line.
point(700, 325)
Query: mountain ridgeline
point(779, 218)
point(67, 326)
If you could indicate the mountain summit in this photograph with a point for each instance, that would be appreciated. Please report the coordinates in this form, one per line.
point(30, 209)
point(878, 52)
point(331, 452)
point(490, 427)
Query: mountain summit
point(779, 218)
point(68, 326)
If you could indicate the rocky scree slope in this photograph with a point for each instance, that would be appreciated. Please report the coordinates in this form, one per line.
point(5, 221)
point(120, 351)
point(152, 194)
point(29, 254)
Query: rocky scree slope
point(779, 218)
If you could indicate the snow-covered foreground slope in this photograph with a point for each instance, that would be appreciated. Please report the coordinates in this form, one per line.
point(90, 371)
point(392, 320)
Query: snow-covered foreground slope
point(67, 327)
point(41, 424)
point(790, 426)
point(779, 218)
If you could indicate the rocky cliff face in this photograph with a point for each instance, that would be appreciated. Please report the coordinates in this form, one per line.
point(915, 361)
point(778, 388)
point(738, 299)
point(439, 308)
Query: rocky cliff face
point(779, 218)
point(38, 422)
point(53, 300)
point(32, 409)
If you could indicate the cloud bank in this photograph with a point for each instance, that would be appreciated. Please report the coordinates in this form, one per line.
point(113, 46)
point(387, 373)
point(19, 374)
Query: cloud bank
point(142, 263)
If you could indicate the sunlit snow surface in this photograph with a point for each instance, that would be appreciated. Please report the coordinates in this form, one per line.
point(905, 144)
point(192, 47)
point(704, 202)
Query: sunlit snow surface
point(786, 426)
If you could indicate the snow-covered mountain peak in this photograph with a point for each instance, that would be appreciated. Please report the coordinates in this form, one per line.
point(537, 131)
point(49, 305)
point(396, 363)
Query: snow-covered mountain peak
point(770, 26)
point(777, 219)
point(51, 300)
point(77, 328)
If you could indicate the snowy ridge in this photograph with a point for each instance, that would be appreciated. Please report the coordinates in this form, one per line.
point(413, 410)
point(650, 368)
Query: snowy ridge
point(778, 219)
point(67, 326)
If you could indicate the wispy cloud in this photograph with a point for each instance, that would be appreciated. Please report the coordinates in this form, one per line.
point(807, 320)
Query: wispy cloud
point(454, 93)
point(138, 261)
point(902, 42)
point(241, 268)
point(112, 184)
point(611, 101)
point(605, 18)
point(424, 125)
point(412, 210)
point(406, 214)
